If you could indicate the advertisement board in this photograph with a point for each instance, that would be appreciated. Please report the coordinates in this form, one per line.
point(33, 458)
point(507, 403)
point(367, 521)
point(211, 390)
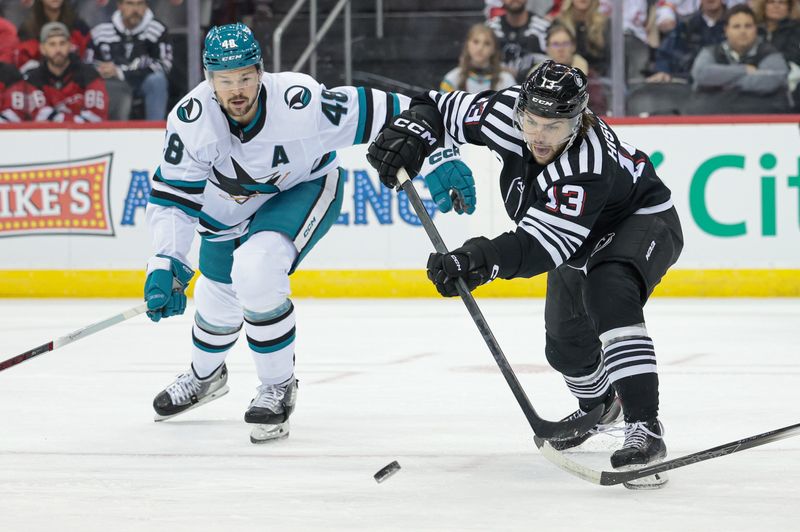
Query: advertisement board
point(72, 203)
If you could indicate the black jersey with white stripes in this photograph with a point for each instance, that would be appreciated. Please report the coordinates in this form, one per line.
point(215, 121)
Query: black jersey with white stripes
point(561, 207)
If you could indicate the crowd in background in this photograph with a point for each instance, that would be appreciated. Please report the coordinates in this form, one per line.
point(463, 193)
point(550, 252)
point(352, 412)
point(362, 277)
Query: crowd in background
point(93, 60)
point(681, 56)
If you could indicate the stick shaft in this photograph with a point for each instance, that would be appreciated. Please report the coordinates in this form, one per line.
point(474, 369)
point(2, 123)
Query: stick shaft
point(544, 428)
point(73, 336)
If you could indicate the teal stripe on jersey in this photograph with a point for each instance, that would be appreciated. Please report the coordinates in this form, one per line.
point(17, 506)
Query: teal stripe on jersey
point(177, 183)
point(168, 203)
point(215, 224)
point(362, 116)
point(396, 104)
point(270, 348)
point(324, 161)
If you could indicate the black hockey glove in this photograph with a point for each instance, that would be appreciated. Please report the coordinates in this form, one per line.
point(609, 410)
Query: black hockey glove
point(477, 262)
point(405, 142)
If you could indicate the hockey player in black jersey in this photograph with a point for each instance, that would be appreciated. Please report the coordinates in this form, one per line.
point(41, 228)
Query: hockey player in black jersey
point(590, 210)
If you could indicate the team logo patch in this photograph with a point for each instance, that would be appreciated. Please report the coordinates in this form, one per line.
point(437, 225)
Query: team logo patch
point(603, 242)
point(297, 97)
point(190, 110)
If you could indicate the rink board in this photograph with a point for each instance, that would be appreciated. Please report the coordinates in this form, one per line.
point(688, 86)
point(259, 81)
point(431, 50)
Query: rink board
point(72, 206)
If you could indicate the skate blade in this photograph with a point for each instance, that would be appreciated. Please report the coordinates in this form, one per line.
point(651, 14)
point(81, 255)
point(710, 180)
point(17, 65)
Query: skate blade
point(652, 482)
point(207, 399)
point(264, 433)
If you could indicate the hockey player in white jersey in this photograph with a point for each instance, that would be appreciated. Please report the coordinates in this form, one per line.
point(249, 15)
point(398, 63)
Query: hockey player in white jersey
point(250, 163)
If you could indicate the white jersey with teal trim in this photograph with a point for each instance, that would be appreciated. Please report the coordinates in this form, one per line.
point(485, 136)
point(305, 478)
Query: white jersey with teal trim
point(218, 175)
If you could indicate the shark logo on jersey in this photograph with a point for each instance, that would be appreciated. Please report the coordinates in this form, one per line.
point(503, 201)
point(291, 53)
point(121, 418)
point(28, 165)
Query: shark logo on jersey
point(297, 97)
point(243, 187)
point(190, 110)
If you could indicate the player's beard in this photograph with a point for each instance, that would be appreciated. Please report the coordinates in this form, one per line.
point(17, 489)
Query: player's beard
point(240, 108)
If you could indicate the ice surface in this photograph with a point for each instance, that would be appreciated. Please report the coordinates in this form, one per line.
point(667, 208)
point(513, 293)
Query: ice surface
point(383, 380)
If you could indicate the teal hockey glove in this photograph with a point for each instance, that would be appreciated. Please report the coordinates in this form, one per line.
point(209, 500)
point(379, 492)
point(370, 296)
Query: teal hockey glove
point(164, 288)
point(452, 177)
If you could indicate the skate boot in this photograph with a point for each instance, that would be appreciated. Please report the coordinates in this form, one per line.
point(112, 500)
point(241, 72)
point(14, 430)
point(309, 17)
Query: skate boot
point(270, 409)
point(644, 445)
point(188, 391)
point(611, 415)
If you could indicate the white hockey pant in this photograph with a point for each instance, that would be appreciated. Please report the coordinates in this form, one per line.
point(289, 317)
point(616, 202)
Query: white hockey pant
point(259, 296)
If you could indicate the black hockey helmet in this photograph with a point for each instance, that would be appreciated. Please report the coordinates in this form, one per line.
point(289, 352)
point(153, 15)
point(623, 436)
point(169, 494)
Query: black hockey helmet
point(554, 90)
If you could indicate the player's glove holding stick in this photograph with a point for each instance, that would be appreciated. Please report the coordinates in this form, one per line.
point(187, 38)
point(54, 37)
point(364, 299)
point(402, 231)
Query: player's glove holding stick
point(477, 262)
point(405, 143)
point(165, 287)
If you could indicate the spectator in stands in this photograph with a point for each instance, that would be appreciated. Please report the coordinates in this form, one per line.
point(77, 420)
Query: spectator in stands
point(520, 35)
point(62, 88)
point(42, 12)
point(779, 25)
point(678, 50)
point(744, 74)
point(13, 94)
point(591, 29)
point(479, 65)
point(561, 47)
point(134, 56)
point(669, 12)
point(8, 41)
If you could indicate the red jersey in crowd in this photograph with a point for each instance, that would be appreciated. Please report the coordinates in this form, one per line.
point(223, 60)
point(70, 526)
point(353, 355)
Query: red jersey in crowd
point(28, 55)
point(12, 94)
point(78, 95)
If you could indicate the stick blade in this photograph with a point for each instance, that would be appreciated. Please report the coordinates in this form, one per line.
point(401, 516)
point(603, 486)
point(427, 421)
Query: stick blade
point(564, 430)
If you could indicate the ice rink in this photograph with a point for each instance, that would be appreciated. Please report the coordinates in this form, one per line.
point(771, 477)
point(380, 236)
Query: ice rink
point(383, 380)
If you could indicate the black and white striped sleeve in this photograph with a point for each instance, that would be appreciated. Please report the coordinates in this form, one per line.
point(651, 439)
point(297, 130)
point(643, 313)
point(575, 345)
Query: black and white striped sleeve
point(461, 113)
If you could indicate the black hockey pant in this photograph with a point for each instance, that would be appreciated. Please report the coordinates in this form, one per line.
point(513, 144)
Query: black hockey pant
point(606, 303)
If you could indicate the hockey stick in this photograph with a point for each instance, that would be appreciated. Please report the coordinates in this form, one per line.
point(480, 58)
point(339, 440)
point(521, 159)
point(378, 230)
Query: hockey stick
point(76, 335)
point(610, 478)
point(549, 430)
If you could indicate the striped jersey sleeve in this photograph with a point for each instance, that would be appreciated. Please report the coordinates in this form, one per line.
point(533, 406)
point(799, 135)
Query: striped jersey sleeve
point(177, 194)
point(180, 179)
point(571, 192)
point(485, 119)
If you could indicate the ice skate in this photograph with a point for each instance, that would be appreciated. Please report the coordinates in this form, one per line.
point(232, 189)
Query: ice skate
point(188, 391)
point(611, 415)
point(644, 445)
point(270, 409)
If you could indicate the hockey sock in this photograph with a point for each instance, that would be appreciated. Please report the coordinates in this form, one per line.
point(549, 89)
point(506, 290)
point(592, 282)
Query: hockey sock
point(271, 337)
point(630, 360)
point(210, 345)
point(590, 390)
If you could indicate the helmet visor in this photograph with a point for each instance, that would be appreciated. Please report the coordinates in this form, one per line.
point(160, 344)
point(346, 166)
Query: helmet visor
point(234, 80)
point(542, 132)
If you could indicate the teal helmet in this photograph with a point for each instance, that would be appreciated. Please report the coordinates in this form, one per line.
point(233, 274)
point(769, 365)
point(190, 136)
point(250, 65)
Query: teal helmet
point(230, 47)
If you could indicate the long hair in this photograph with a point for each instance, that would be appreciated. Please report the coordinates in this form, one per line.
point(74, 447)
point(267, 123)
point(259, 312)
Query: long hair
point(595, 24)
point(465, 65)
point(37, 18)
point(760, 9)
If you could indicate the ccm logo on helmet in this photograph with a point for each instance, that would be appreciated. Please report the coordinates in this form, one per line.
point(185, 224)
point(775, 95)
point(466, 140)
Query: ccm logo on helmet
point(423, 133)
point(541, 102)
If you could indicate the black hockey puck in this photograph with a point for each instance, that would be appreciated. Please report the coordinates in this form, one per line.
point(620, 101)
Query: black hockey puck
point(387, 471)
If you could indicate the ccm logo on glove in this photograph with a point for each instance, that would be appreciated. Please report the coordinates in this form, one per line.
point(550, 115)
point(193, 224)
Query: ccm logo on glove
point(417, 129)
